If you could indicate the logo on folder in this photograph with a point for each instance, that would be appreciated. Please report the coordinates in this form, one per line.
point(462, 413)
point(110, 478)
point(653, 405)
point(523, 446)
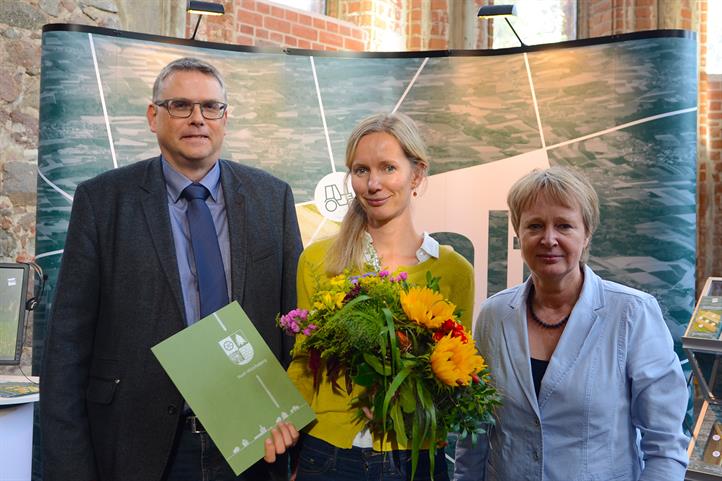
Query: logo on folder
point(237, 348)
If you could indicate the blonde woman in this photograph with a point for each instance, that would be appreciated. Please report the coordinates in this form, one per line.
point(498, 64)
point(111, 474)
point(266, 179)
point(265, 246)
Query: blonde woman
point(387, 162)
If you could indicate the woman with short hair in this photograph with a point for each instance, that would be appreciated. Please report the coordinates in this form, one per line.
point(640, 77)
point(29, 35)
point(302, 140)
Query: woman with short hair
point(591, 386)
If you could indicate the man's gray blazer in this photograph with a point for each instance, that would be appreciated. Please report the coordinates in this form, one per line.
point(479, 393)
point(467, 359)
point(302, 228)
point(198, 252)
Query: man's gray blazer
point(108, 410)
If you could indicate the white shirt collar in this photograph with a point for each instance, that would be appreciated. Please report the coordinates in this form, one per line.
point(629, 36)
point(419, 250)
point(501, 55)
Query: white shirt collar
point(429, 249)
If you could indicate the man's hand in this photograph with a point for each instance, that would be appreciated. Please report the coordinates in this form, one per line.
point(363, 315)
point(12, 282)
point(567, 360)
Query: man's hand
point(283, 436)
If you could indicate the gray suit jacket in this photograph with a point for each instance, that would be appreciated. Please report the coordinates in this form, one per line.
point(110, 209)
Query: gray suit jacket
point(108, 410)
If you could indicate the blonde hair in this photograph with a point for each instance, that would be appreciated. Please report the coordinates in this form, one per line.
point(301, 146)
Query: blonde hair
point(557, 184)
point(347, 251)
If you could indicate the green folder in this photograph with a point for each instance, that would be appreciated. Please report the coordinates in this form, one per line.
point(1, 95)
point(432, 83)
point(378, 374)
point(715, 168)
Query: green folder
point(233, 382)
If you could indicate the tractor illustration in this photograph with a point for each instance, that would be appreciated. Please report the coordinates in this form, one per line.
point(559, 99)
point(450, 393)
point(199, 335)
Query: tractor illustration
point(334, 198)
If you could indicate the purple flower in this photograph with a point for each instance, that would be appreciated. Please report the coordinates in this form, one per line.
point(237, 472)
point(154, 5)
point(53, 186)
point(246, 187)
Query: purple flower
point(293, 321)
point(355, 291)
point(384, 273)
point(299, 314)
point(401, 277)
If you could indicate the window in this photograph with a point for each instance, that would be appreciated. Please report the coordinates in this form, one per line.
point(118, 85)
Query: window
point(714, 37)
point(538, 22)
point(315, 6)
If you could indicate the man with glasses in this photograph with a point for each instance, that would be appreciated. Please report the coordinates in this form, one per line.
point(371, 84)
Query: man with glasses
point(151, 248)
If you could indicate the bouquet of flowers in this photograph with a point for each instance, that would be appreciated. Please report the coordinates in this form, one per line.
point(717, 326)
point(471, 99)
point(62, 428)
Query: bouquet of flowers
point(422, 374)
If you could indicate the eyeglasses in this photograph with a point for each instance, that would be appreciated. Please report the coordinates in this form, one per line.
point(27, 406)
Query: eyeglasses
point(182, 108)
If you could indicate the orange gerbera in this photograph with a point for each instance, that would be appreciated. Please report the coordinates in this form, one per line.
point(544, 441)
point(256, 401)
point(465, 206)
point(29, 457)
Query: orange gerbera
point(426, 307)
point(455, 362)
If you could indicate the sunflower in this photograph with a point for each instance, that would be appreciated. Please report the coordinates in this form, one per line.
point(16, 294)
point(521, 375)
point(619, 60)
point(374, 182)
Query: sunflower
point(454, 362)
point(426, 307)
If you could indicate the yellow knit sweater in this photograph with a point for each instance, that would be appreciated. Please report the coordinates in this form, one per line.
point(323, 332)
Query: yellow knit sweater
point(335, 419)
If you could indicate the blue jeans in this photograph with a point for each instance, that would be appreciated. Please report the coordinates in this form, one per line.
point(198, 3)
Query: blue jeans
point(321, 461)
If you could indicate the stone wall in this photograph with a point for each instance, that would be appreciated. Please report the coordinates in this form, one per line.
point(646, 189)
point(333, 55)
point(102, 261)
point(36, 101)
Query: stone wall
point(21, 25)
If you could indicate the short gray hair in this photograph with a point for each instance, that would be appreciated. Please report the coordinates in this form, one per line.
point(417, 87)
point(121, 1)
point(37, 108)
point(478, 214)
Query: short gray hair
point(187, 64)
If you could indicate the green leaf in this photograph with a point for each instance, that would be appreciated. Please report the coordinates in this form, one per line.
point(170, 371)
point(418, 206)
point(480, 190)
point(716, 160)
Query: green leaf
point(432, 460)
point(376, 365)
point(365, 375)
point(415, 444)
point(432, 282)
point(399, 426)
point(407, 398)
point(395, 354)
point(393, 388)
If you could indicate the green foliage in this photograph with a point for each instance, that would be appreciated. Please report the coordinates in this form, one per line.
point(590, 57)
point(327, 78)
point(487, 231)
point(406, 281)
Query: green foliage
point(361, 325)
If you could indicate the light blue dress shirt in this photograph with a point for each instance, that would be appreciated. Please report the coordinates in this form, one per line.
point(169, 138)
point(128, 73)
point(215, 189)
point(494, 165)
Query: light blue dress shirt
point(175, 182)
point(611, 402)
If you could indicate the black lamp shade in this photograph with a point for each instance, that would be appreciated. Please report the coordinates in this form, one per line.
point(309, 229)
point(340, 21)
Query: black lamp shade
point(205, 8)
point(496, 11)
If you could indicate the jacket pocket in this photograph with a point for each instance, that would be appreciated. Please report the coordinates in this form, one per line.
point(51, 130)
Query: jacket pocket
point(101, 391)
point(262, 254)
point(103, 381)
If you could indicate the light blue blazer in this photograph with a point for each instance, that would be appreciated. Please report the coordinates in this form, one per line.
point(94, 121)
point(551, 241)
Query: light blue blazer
point(611, 403)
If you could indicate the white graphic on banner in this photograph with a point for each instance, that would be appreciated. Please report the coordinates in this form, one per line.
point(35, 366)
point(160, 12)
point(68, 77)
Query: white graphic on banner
point(333, 195)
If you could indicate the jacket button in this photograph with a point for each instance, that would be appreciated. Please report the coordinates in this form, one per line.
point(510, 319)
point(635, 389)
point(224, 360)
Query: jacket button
point(536, 422)
point(172, 409)
point(536, 455)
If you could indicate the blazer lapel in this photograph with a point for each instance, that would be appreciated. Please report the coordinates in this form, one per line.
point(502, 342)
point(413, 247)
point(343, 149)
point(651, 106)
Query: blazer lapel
point(517, 344)
point(237, 215)
point(579, 335)
point(154, 199)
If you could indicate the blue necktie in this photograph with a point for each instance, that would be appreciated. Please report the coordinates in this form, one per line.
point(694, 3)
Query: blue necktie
point(204, 241)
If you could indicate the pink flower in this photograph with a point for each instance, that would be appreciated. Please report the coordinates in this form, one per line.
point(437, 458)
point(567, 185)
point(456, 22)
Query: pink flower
point(299, 314)
point(384, 273)
point(309, 329)
point(401, 277)
point(293, 321)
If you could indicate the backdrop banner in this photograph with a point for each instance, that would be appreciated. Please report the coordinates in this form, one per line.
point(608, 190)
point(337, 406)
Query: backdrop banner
point(621, 109)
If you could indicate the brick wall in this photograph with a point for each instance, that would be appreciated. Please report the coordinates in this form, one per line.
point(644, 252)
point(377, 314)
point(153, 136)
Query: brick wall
point(261, 23)
point(359, 25)
point(384, 21)
point(709, 257)
point(439, 16)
